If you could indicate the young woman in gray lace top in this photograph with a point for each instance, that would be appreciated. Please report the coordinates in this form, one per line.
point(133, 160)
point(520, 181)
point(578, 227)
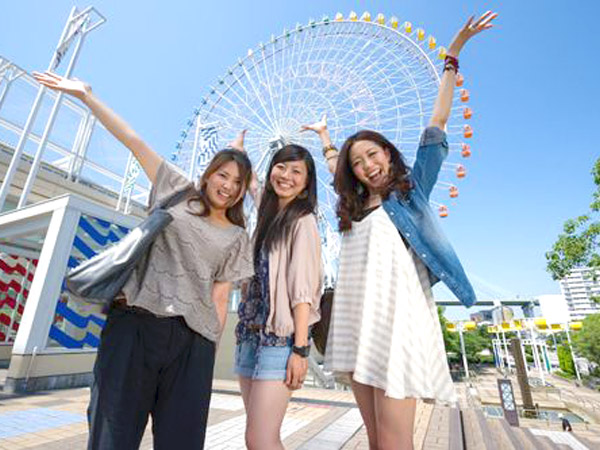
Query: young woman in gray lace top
point(157, 349)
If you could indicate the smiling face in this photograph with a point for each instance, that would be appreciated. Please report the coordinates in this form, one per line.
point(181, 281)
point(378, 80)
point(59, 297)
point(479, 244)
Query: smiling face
point(370, 163)
point(289, 179)
point(224, 186)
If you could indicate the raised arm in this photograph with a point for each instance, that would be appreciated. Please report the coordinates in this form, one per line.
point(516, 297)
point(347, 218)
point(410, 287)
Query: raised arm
point(254, 188)
point(148, 158)
point(330, 152)
point(443, 103)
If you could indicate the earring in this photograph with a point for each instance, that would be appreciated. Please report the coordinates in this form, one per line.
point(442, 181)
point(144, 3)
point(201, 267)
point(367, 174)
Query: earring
point(360, 189)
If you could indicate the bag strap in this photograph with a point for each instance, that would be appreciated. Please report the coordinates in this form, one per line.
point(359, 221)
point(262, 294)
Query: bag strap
point(175, 198)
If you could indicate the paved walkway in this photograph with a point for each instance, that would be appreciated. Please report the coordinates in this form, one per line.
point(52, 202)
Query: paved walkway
point(561, 395)
point(316, 419)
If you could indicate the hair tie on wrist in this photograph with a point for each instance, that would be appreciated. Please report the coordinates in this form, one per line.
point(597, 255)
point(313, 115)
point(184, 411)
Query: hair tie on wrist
point(329, 148)
point(451, 63)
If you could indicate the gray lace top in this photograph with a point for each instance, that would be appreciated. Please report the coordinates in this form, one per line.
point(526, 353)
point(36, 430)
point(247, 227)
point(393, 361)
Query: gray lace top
point(186, 259)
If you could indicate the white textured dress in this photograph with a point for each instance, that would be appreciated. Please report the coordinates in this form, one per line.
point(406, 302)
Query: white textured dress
point(384, 326)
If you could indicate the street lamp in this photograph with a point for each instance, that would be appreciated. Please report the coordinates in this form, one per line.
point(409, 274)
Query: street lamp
point(493, 329)
point(501, 344)
point(503, 328)
point(542, 325)
point(575, 326)
point(506, 327)
point(461, 327)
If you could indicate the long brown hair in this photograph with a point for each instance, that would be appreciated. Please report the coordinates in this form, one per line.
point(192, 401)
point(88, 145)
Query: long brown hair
point(235, 213)
point(275, 225)
point(352, 193)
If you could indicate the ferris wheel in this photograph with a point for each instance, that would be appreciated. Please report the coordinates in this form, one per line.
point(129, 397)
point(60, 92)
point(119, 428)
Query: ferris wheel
point(365, 74)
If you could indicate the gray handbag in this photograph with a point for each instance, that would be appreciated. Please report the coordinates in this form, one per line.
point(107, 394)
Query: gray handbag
point(100, 278)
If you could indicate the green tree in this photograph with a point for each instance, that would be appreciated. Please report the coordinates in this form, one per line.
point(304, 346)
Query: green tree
point(586, 342)
point(475, 342)
point(451, 341)
point(579, 244)
point(529, 353)
point(565, 359)
point(558, 337)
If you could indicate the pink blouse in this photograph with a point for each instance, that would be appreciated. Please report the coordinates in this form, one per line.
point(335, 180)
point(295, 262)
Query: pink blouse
point(295, 276)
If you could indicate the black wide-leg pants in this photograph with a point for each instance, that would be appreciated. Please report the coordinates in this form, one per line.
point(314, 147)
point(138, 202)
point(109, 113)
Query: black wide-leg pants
point(148, 365)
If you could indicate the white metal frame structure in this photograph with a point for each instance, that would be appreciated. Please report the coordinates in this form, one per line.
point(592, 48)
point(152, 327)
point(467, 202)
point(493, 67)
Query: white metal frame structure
point(75, 154)
point(363, 73)
point(78, 25)
point(55, 222)
point(72, 158)
point(531, 333)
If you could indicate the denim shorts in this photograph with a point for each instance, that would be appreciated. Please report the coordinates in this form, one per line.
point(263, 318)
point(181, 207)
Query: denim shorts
point(261, 362)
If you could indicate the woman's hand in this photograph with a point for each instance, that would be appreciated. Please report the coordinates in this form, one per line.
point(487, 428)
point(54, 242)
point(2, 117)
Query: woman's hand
point(469, 30)
point(321, 129)
point(238, 142)
point(318, 127)
point(148, 158)
point(297, 367)
point(254, 187)
point(443, 103)
point(73, 87)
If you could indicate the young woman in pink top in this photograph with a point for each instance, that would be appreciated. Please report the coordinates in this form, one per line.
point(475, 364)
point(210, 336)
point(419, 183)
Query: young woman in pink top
point(282, 299)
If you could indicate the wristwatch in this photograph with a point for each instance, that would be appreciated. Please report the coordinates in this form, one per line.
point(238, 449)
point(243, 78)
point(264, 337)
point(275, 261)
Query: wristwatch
point(301, 350)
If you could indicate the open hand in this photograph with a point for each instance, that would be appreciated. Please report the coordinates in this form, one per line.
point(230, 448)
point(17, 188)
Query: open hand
point(297, 367)
point(238, 142)
point(470, 29)
point(317, 127)
point(73, 87)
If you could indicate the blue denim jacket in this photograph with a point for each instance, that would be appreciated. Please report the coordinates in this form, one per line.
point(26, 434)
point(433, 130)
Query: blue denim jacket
point(416, 221)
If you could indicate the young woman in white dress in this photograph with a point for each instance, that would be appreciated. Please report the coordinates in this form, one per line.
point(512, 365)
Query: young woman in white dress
point(384, 335)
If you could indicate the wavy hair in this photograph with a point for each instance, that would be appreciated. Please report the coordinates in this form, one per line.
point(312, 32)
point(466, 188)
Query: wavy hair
point(352, 193)
point(235, 213)
point(275, 225)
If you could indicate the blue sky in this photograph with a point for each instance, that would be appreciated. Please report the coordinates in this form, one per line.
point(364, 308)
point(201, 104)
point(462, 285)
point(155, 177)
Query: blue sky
point(532, 83)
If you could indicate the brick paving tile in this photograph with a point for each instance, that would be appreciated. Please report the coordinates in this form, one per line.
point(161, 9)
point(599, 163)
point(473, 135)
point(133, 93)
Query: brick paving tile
point(310, 412)
point(296, 439)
